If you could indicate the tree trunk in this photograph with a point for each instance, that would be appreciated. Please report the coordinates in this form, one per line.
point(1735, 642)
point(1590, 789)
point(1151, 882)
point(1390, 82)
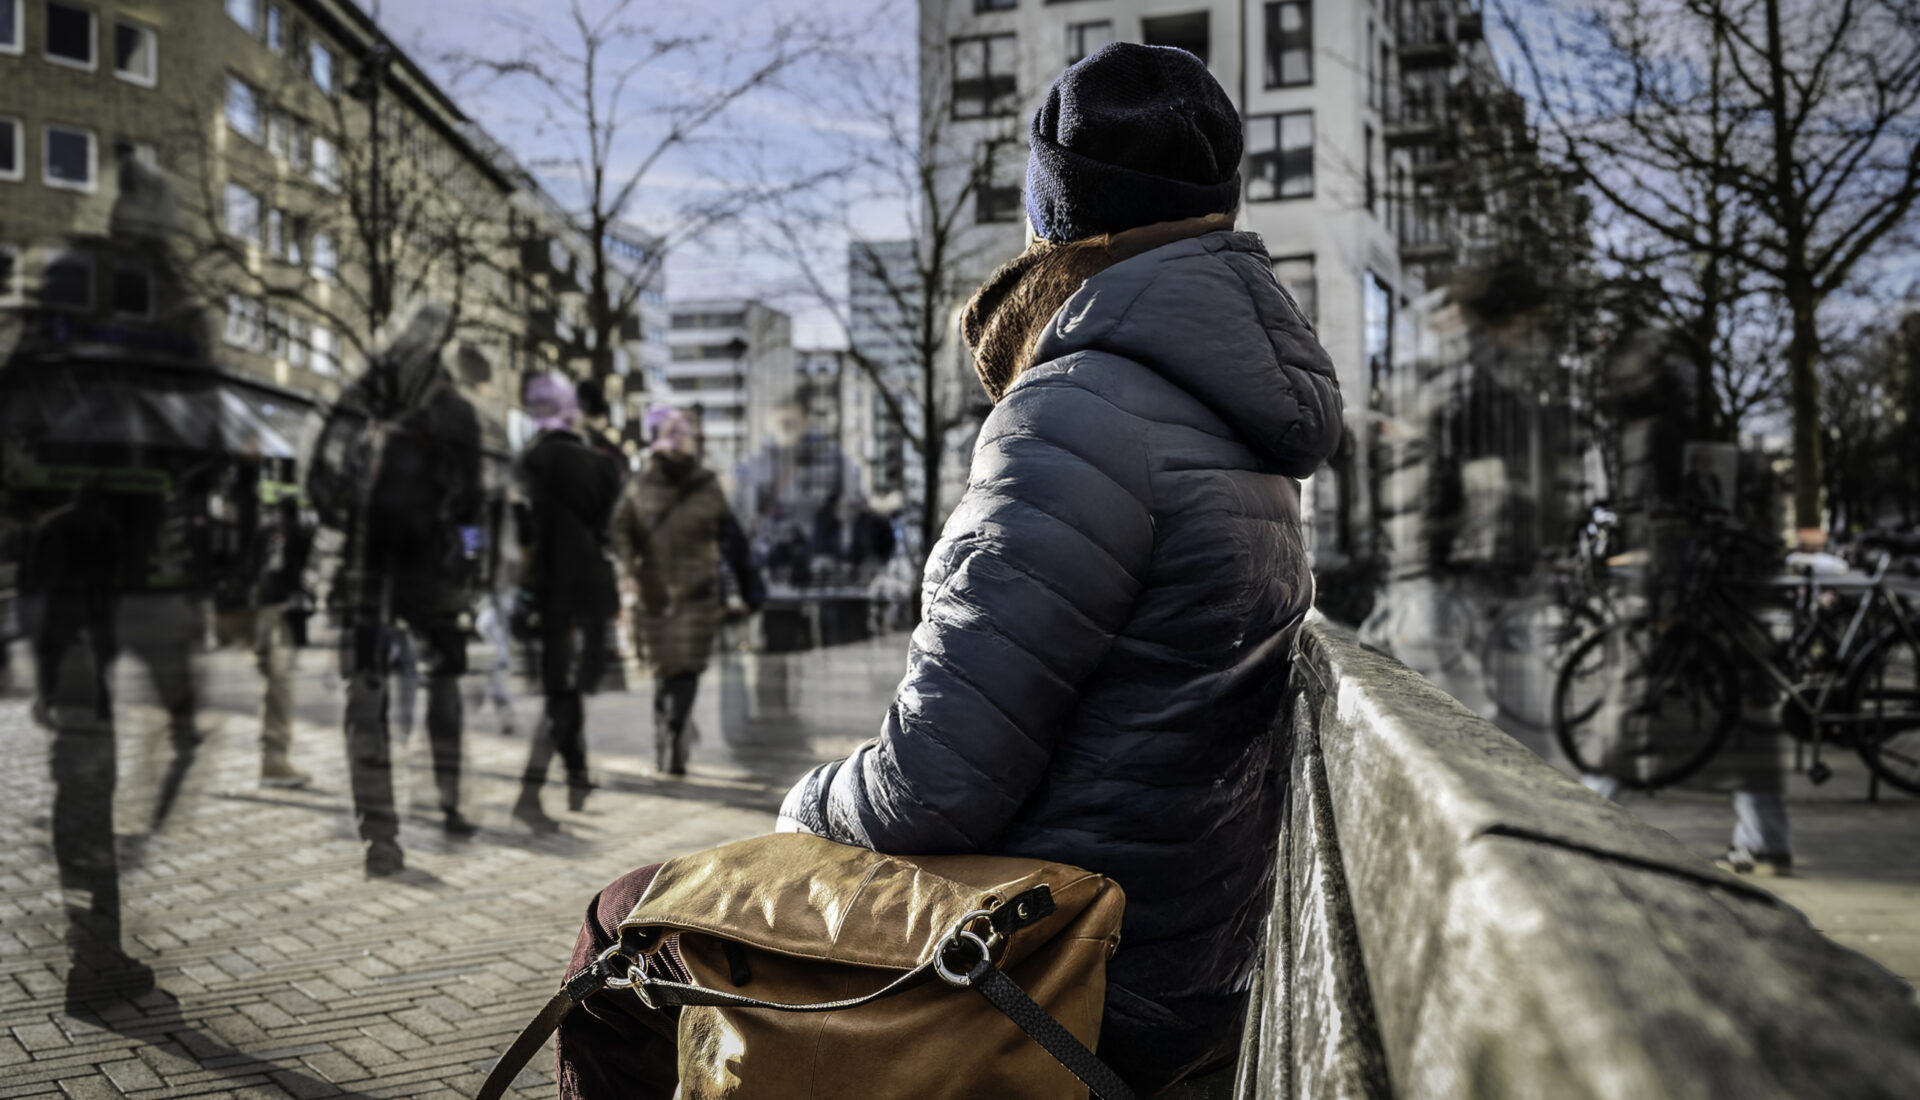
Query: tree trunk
point(1803, 356)
point(1803, 353)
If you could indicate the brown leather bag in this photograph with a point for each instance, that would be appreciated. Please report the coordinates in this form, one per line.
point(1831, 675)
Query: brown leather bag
point(808, 968)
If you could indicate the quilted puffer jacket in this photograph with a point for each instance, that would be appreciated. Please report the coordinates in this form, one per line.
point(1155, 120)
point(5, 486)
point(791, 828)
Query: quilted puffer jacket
point(1101, 660)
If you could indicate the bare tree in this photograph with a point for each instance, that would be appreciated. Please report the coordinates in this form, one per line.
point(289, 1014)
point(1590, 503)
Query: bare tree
point(300, 204)
point(943, 150)
point(614, 88)
point(1769, 144)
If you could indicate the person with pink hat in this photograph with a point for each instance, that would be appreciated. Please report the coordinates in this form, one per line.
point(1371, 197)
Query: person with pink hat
point(571, 490)
point(670, 532)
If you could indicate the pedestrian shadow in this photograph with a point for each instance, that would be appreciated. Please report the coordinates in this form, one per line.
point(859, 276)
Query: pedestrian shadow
point(154, 1019)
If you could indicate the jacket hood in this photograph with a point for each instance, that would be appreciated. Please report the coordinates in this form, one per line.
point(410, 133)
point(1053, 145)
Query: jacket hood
point(1207, 315)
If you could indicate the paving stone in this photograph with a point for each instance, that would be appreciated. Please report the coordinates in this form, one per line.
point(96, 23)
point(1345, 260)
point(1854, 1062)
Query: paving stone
point(282, 971)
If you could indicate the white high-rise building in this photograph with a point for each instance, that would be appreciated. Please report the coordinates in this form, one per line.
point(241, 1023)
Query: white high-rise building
point(732, 363)
point(1342, 102)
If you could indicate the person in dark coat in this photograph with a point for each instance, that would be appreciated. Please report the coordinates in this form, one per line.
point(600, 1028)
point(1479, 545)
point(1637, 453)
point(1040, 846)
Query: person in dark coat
point(571, 489)
point(671, 531)
point(404, 567)
point(1108, 614)
point(75, 568)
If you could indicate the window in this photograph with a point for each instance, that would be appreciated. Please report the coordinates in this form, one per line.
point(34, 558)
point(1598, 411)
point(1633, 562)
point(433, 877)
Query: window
point(1366, 139)
point(243, 109)
point(276, 29)
point(299, 145)
point(12, 155)
point(1002, 171)
point(276, 133)
point(11, 28)
point(1289, 43)
point(246, 13)
point(9, 275)
point(277, 333)
point(1377, 338)
point(1084, 38)
point(1384, 71)
point(132, 291)
point(277, 234)
point(326, 165)
point(1280, 156)
point(1295, 274)
point(995, 5)
point(326, 261)
point(135, 53)
point(297, 341)
point(243, 213)
point(322, 67)
point(70, 159)
point(322, 359)
point(983, 82)
point(299, 47)
point(243, 323)
point(70, 36)
point(1188, 32)
point(294, 240)
point(67, 282)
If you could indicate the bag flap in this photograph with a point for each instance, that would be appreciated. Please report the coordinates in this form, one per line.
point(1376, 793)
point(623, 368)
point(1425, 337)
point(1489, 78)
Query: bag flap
point(813, 898)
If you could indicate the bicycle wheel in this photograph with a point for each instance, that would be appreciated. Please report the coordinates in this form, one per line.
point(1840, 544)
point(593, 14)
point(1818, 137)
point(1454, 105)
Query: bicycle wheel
point(1524, 650)
point(1647, 706)
point(1882, 706)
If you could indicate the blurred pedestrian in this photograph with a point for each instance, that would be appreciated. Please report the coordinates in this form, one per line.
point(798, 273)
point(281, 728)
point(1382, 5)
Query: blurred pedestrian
point(571, 489)
point(397, 468)
point(669, 532)
point(251, 610)
point(74, 570)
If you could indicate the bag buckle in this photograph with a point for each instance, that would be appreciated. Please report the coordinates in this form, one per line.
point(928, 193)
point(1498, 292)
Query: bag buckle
point(960, 939)
point(635, 973)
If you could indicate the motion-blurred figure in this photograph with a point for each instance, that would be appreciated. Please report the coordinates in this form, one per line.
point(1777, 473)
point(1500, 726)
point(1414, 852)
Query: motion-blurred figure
point(669, 532)
point(251, 609)
point(571, 488)
point(398, 468)
point(74, 565)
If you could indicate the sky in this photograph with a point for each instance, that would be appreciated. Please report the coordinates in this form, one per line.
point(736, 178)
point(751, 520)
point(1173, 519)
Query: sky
point(777, 129)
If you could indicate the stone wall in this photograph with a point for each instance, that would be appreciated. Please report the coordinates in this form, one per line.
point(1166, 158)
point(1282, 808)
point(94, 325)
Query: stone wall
point(1453, 918)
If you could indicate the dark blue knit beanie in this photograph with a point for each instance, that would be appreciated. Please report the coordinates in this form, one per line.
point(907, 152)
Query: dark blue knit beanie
point(1129, 136)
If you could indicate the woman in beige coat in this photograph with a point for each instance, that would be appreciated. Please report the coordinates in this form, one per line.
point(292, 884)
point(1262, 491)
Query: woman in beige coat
point(670, 531)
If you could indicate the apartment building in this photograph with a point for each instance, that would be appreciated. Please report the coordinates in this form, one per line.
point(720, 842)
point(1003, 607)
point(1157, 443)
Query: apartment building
point(732, 365)
point(1347, 177)
point(248, 186)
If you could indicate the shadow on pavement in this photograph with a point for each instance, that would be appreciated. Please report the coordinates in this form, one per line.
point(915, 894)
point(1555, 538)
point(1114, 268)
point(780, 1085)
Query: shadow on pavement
point(154, 1019)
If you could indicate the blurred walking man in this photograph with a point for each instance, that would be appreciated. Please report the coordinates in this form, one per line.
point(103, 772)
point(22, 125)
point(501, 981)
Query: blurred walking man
point(398, 467)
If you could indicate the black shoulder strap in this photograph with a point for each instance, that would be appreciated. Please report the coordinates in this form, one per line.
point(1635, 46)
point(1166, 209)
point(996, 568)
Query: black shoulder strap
point(624, 970)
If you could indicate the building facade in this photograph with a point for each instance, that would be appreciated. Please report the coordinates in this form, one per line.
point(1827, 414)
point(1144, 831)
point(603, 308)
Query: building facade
point(262, 187)
point(1349, 177)
point(732, 366)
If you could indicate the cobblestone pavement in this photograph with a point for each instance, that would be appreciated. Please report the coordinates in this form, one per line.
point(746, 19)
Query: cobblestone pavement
point(282, 972)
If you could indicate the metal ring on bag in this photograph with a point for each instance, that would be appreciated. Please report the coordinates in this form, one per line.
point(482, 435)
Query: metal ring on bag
point(634, 967)
point(940, 956)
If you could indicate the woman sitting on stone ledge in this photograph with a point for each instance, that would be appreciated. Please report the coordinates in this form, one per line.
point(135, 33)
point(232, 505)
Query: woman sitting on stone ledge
point(1107, 617)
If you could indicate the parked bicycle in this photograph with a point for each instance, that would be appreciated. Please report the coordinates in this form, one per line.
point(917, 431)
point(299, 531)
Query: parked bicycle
point(1651, 699)
point(1529, 638)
